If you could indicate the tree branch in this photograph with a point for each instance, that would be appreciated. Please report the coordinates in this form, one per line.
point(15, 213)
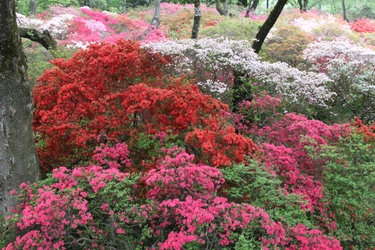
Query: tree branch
point(45, 38)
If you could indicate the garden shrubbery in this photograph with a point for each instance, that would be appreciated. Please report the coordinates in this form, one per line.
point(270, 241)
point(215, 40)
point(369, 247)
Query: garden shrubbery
point(140, 149)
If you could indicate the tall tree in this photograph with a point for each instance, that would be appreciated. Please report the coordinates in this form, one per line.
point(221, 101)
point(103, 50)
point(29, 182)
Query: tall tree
point(303, 5)
point(344, 11)
point(197, 19)
point(156, 19)
point(32, 6)
point(251, 7)
point(239, 91)
point(18, 159)
point(268, 24)
point(222, 11)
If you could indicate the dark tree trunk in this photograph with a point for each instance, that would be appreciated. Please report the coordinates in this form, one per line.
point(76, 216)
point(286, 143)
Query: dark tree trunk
point(240, 93)
point(156, 19)
point(344, 10)
point(197, 19)
point(88, 3)
point(123, 4)
point(243, 3)
point(18, 159)
point(32, 6)
point(268, 24)
point(303, 5)
point(252, 7)
point(222, 11)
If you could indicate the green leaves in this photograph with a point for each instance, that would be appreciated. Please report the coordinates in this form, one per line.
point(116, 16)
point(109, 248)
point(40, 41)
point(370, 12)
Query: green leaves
point(251, 183)
point(349, 187)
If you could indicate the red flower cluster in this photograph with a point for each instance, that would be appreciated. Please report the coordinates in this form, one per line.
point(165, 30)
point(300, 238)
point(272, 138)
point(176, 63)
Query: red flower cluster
point(117, 92)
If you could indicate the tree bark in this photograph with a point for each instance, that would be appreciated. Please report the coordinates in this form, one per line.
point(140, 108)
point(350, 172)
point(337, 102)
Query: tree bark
point(268, 24)
point(45, 38)
point(123, 6)
point(240, 93)
point(251, 7)
point(344, 10)
point(32, 6)
point(197, 19)
point(302, 5)
point(156, 19)
point(18, 159)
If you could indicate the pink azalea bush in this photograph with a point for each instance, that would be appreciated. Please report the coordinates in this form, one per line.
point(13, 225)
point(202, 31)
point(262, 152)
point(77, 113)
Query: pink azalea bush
point(175, 206)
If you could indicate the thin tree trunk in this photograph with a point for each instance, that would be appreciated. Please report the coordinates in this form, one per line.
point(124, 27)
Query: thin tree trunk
point(302, 5)
point(225, 7)
point(222, 11)
point(197, 19)
point(240, 93)
point(251, 7)
point(268, 24)
point(344, 10)
point(123, 6)
point(18, 159)
point(32, 6)
point(156, 19)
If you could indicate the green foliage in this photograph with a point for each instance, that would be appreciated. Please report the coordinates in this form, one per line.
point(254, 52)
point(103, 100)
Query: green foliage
point(38, 58)
point(332, 30)
point(179, 25)
point(7, 233)
point(287, 45)
point(146, 147)
point(251, 183)
point(233, 28)
point(349, 188)
point(369, 39)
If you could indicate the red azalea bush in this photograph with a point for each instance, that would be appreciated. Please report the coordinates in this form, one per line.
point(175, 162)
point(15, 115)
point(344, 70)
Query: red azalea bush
point(118, 92)
point(72, 98)
point(363, 25)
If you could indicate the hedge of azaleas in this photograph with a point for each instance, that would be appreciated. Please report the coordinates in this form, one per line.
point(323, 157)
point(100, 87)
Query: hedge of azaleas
point(140, 150)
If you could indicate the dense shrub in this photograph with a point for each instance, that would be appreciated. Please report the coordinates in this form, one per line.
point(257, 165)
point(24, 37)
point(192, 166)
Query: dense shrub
point(238, 29)
point(286, 45)
point(209, 61)
point(178, 207)
point(349, 185)
point(95, 95)
point(363, 25)
point(351, 69)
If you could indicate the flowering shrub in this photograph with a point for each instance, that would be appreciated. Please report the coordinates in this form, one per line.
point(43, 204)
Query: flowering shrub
point(88, 92)
point(351, 69)
point(221, 146)
point(92, 207)
point(287, 152)
point(99, 85)
point(287, 45)
point(77, 28)
point(232, 28)
point(262, 110)
point(202, 60)
point(76, 209)
point(363, 25)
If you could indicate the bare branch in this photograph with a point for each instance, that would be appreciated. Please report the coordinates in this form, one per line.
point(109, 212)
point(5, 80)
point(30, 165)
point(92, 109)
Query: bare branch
point(45, 38)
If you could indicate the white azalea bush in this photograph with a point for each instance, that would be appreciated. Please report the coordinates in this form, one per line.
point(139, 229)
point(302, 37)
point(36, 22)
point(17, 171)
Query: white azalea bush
point(215, 59)
point(352, 71)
